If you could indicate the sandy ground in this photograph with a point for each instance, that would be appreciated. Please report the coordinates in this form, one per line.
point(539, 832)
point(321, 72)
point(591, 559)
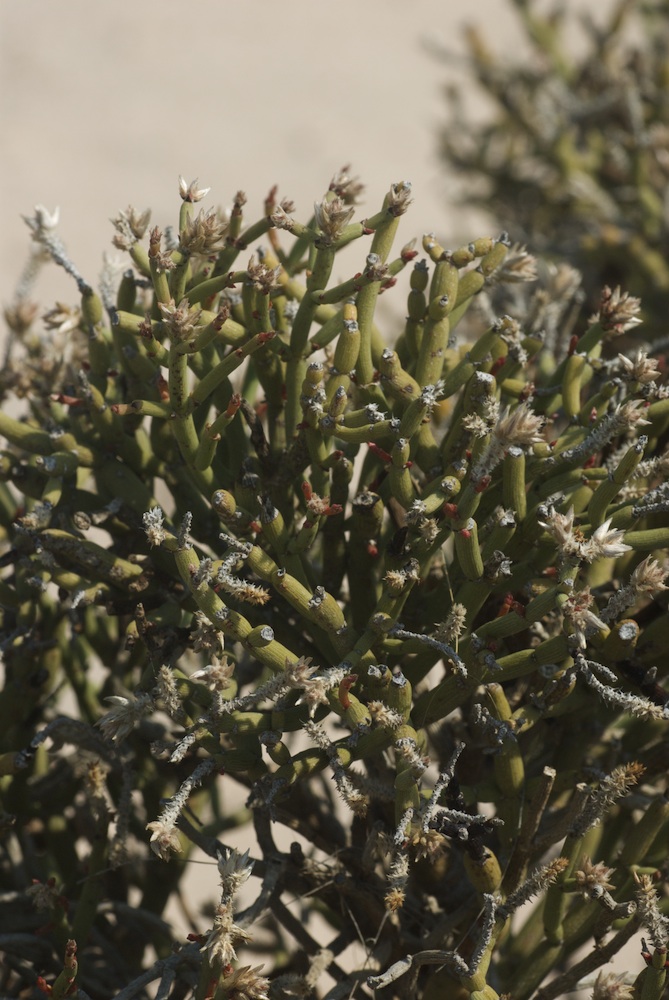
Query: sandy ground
point(106, 103)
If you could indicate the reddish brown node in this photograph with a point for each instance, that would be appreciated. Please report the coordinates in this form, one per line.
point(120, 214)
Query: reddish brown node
point(344, 688)
point(163, 389)
point(505, 606)
point(61, 397)
point(379, 452)
point(233, 405)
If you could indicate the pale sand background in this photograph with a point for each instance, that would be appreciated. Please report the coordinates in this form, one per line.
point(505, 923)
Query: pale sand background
point(106, 102)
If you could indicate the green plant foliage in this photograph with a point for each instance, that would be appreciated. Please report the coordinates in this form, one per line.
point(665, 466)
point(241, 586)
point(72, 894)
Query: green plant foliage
point(405, 592)
point(574, 158)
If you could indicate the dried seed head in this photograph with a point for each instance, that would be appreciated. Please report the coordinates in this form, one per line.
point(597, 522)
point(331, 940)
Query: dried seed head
point(349, 189)
point(476, 425)
point(262, 277)
point(247, 984)
point(649, 913)
point(579, 616)
point(20, 315)
point(517, 266)
point(280, 218)
point(631, 413)
point(321, 507)
point(641, 368)
point(164, 839)
point(332, 217)
point(62, 318)
point(120, 720)
point(399, 197)
point(618, 311)
point(162, 259)
point(394, 900)
point(225, 934)
point(206, 636)
point(182, 320)
point(130, 226)
point(590, 875)
point(234, 870)
point(649, 577)
point(608, 986)
point(217, 674)
point(301, 674)
point(383, 715)
point(205, 234)
point(453, 625)
point(428, 844)
point(519, 426)
point(44, 895)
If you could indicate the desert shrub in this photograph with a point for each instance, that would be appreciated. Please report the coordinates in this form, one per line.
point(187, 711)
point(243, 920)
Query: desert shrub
point(573, 157)
point(405, 592)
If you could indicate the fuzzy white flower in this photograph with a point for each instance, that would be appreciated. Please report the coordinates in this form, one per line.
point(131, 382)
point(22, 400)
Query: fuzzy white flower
point(640, 368)
point(154, 525)
point(164, 839)
point(605, 543)
point(608, 986)
point(43, 219)
point(618, 311)
point(649, 577)
point(234, 870)
point(120, 721)
point(221, 941)
point(519, 426)
point(561, 527)
point(191, 192)
point(247, 984)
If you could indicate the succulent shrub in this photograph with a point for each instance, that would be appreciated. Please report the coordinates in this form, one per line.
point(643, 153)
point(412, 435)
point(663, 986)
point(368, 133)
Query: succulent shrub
point(404, 591)
point(574, 158)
